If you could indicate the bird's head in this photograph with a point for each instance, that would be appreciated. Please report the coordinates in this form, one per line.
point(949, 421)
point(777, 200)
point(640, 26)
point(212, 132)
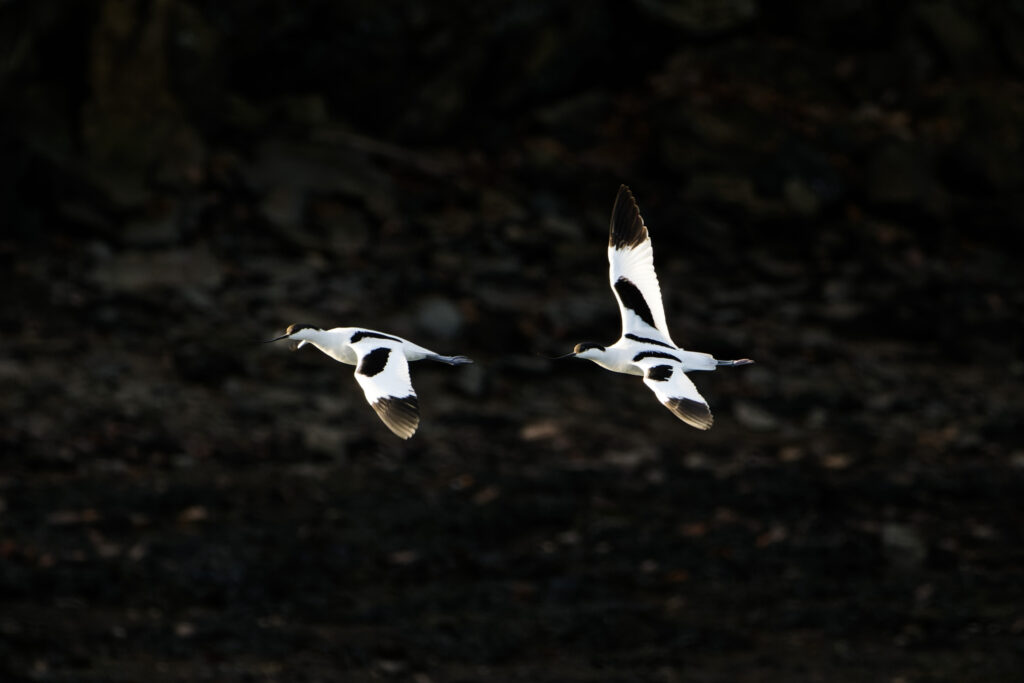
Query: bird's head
point(300, 333)
point(588, 350)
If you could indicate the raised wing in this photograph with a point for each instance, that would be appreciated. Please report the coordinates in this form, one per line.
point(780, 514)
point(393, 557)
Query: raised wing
point(664, 375)
point(383, 373)
point(631, 271)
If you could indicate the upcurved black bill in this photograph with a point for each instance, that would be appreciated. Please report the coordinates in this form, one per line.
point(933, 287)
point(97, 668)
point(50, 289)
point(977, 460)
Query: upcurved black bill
point(283, 336)
point(567, 355)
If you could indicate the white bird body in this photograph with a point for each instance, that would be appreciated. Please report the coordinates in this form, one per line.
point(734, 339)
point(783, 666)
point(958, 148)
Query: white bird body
point(645, 347)
point(619, 357)
point(382, 368)
point(338, 343)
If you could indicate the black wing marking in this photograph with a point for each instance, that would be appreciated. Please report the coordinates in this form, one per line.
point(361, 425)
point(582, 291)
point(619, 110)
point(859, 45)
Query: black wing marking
point(654, 354)
point(627, 228)
point(633, 299)
point(691, 412)
point(647, 340)
point(370, 334)
point(374, 362)
point(674, 389)
point(660, 373)
point(400, 414)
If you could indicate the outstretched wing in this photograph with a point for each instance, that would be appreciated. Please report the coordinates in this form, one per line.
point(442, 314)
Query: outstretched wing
point(631, 271)
point(674, 389)
point(383, 373)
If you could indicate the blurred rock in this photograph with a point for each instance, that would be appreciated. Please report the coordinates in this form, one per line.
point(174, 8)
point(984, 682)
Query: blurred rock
point(984, 155)
point(702, 16)
point(733, 190)
point(754, 417)
point(325, 439)
point(472, 379)
point(159, 230)
point(903, 546)
point(956, 33)
point(800, 196)
point(439, 318)
point(900, 174)
point(289, 175)
point(284, 206)
point(345, 229)
point(134, 271)
point(132, 123)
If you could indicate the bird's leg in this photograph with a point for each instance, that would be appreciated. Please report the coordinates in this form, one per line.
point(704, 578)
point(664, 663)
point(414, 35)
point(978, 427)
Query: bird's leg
point(741, 361)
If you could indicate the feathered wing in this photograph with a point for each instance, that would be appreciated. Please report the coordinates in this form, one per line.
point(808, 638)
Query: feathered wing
point(676, 392)
point(383, 372)
point(631, 271)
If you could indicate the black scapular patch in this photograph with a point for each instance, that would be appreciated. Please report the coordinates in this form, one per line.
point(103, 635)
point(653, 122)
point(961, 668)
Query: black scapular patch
point(367, 334)
point(400, 414)
point(627, 228)
point(660, 373)
point(632, 299)
point(654, 354)
point(691, 412)
point(646, 340)
point(373, 362)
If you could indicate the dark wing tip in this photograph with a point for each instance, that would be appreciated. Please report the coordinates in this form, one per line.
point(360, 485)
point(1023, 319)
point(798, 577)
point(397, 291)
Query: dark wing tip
point(627, 227)
point(400, 414)
point(693, 413)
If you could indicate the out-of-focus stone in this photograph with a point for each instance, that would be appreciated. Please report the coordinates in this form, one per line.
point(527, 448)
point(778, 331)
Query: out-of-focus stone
point(899, 174)
point(702, 16)
point(800, 197)
point(439, 318)
point(132, 122)
point(956, 34)
point(754, 417)
point(153, 231)
point(132, 271)
point(472, 379)
point(324, 439)
point(903, 546)
point(346, 230)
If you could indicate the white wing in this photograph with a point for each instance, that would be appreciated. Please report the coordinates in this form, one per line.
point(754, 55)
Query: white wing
point(631, 271)
point(383, 372)
point(665, 376)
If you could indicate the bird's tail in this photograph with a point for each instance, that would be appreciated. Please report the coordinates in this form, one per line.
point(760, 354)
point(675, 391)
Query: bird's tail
point(450, 360)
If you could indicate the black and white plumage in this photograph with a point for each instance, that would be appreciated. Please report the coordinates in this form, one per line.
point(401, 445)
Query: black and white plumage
point(382, 368)
point(645, 347)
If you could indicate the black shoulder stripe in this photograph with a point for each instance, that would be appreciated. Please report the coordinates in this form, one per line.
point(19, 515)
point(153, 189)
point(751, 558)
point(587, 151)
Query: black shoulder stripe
point(660, 373)
point(654, 354)
point(627, 228)
point(634, 300)
point(367, 334)
point(647, 340)
point(373, 362)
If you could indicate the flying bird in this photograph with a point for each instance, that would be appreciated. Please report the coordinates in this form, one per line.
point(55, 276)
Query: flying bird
point(382, 368)
point(645, 347)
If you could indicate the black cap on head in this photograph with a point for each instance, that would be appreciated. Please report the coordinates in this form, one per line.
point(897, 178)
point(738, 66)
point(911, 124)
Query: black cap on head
point(584, 346)
point(292, 329)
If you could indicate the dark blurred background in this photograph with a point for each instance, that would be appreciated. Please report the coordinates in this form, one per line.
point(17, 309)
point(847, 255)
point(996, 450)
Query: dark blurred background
point(833, 189)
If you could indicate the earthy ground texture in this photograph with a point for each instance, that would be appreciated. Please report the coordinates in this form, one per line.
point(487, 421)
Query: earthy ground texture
point(833, 189)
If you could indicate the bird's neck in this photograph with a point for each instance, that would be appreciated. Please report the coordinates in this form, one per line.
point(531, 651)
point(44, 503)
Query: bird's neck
point(322, 339)
point(616, 360)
